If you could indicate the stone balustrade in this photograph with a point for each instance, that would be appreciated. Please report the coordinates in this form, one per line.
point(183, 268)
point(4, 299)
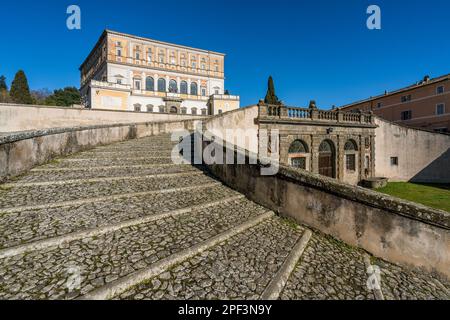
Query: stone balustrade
point(312, 114)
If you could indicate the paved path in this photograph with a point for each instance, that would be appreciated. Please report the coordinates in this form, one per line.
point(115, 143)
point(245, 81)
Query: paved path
point(124, 222)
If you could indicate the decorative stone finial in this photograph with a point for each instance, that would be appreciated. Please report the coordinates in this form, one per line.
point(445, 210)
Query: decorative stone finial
point(312, 104)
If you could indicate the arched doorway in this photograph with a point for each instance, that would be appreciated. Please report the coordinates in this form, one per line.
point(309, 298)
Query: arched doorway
point(327, 159)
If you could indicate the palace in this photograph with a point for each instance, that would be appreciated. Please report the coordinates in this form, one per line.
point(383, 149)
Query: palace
point(129, 73)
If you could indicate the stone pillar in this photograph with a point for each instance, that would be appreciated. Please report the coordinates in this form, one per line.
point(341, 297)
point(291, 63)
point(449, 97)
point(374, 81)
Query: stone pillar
point(283, 111)
point(178, 84)
point(155, 83)
point(167, 83)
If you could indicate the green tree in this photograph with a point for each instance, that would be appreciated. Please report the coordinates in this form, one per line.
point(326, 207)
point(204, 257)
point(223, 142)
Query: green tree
point(271, 97)
point(64, 97)
point(3, 85)
point(4, 96)
point(20, 91)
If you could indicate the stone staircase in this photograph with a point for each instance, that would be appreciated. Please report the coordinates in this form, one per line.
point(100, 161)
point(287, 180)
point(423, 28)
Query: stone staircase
point(124, 222)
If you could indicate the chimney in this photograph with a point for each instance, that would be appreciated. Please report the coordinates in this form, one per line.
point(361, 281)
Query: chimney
point(426, 78)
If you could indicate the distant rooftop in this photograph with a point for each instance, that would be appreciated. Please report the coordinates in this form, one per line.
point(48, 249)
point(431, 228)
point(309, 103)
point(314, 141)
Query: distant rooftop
point(162, 42)
point(424, 82)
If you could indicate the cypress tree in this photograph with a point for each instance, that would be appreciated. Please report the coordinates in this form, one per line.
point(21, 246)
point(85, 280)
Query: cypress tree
point(271, 97)
point(20, 91)
point(3, 90)
point(3, 85)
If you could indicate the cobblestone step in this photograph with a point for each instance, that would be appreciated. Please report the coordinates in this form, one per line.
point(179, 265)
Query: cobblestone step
point(18, 228)
point(44, 175)
point(45, 274)
point(328, 270)
point(332, 270)
point(14, 197)
point(398, 283)
point(123, 154)
point(99, 162)
point(240, 268)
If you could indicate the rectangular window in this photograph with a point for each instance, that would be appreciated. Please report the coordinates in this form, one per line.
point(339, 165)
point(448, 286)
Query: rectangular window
point(350, 160)
point(299, 163)
point(138, 56)
point(406, 98)
point(440, 109)
point(119, 81)
point(119, 52)
point(379, 104)
point(137, 85)
point(394, 161)
point(440, 90)
point(406, 115)
point(204, 92)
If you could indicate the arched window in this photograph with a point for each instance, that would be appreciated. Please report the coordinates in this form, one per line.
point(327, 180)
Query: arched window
point(162, 85)
point(194, 111)
point(173, 88)
point(299, 154)
point(137, 107)
point(350, 149)
point(161, 109)
point(194, 89)
point(183, 110)
point(173, 109)
point(325, 146)
point(204, 112)
point(351, 145)
point(298, 146)
point(149, 108)
point(184, 87)
point(150, 84)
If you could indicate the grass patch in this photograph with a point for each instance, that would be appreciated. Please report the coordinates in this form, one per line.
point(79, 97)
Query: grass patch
point(432, 195)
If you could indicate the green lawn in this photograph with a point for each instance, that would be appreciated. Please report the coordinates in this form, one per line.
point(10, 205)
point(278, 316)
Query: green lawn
point(432, 195)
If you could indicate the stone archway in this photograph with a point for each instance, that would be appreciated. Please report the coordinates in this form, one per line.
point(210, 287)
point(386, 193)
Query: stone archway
point(173, 109)
point(327, 159)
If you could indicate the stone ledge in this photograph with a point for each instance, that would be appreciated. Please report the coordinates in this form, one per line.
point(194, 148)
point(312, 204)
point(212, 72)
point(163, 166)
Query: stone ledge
point(374, 199)
point(18, 136)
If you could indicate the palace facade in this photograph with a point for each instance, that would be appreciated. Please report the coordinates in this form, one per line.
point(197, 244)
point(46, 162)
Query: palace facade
point(130, 73)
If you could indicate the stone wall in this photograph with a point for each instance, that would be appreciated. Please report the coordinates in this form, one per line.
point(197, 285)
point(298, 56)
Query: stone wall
point(242, 125)
point(393, 229)
point(423, 156)
point(20, 152)
point(17, 118)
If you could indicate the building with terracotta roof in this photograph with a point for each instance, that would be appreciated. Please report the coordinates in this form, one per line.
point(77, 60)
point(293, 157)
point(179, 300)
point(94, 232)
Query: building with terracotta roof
point(425, 104)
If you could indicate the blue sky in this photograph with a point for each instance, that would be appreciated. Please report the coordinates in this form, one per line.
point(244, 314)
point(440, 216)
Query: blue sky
point(317, 49)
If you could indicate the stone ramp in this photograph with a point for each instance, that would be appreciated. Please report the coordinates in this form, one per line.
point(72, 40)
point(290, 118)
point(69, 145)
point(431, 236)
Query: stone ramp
point(118, 222)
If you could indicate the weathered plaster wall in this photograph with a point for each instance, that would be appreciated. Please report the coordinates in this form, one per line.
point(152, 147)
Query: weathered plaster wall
point(390, 228)
point(240, 124)
point(17, 118)
point(20, 152)
point(422, 156)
